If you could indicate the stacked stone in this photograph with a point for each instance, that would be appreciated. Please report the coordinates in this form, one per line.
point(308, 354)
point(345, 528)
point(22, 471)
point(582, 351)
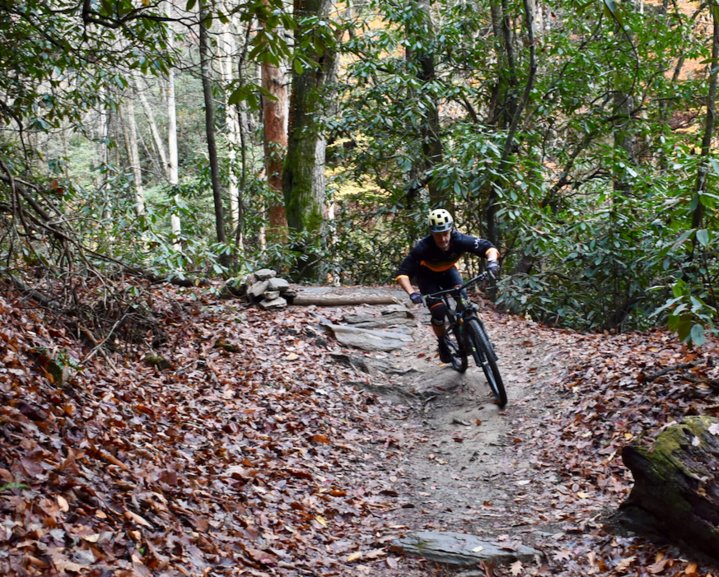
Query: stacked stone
point(265, 288)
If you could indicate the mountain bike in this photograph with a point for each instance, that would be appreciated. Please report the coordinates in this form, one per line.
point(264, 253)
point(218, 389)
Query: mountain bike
point(466, 336)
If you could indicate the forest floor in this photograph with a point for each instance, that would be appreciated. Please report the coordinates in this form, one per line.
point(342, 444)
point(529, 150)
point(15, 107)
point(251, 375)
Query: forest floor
point(233, 441)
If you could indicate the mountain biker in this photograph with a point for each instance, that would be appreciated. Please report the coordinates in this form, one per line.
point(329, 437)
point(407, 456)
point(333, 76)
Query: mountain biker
point(432, 264)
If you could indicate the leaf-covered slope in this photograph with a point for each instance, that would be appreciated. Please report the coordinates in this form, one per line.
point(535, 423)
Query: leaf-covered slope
point(248, 455)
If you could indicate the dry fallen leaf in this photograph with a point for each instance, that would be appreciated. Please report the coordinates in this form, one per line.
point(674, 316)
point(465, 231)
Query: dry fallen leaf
point(625, 563)
point(657, 567)
point(130, 516)
point(63, 504)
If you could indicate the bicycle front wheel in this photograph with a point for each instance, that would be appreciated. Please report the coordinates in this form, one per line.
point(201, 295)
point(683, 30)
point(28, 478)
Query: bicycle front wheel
point(456, 349)
point(484, 356)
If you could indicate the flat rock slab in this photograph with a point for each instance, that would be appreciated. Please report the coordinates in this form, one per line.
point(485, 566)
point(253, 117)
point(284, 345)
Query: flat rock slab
point(463, 550)
point(347, 295)
point(371, 339)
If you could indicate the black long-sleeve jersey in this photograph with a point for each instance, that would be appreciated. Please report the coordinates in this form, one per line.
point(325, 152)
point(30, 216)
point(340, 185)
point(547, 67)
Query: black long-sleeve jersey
point(426, 257)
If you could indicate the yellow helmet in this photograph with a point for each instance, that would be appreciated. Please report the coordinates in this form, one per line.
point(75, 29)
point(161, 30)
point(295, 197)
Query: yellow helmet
point(440, 220)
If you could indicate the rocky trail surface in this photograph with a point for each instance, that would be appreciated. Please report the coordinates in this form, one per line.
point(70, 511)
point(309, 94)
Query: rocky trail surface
point(532, 489)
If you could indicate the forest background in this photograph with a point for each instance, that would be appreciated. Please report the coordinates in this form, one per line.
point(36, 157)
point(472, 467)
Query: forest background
point(208, 139)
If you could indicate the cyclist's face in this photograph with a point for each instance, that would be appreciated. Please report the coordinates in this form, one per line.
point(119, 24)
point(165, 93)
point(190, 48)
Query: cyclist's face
point(441, 239)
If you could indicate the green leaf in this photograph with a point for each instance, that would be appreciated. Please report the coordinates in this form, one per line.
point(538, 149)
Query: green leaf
point(247, 94)
point(703, 237)
point(611, 8)
point(697, 335)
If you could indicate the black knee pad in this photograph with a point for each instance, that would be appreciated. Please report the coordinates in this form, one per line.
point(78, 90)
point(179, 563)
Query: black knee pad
point(438, 310)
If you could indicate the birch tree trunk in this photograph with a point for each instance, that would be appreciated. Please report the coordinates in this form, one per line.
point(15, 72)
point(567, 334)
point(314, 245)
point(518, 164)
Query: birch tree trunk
point(172, 154)
point(232, 121)
point(103, 155)
point(133, 153)
point(157, 140)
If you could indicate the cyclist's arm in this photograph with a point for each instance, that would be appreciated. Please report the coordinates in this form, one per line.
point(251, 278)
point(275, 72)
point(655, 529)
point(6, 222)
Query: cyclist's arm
point(406, 270)
point(478, 246)
point(405, 283)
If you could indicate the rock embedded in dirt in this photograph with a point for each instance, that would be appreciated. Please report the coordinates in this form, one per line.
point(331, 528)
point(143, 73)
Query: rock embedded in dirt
point(371, 339)
point(460, 549)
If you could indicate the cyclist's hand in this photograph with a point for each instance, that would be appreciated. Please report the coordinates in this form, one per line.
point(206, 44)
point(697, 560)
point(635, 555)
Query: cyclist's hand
point(493, 268)
point(416, 298)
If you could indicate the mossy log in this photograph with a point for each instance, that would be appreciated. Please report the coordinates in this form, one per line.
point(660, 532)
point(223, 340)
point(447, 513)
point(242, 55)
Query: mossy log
point(676, 485)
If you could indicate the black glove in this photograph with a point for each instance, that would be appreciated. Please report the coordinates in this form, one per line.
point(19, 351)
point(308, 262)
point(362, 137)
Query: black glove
point(493, 268)
point(416, 298)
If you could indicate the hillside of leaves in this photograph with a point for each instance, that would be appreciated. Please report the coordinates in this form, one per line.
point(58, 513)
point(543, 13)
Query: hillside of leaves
point(249, 453)
point(612, 390)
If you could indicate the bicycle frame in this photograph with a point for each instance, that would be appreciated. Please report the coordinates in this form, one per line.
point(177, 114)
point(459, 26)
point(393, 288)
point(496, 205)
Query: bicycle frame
point(471, 337)
point(463, 307)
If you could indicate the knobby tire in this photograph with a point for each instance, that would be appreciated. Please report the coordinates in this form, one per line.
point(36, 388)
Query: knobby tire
point(484, 356)
point(458, 352)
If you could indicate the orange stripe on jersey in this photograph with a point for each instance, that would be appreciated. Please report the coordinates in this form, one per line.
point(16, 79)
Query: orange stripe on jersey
point(438, 267)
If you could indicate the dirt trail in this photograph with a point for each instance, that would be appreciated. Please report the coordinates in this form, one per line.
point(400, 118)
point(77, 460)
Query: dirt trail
point(464, 467)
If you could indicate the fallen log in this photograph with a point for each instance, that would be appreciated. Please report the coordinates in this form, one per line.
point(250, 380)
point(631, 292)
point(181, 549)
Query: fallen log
point(676, 485)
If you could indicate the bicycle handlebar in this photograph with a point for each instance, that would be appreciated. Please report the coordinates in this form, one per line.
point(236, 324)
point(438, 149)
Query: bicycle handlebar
point(480, 277)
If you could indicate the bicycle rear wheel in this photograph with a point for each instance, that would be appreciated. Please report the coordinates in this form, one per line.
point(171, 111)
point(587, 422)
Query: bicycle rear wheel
point(484, 356)
point(457, 350)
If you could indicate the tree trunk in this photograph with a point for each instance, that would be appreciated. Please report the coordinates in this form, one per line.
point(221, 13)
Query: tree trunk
point(423, 58)
point(274, 140)
point(514, 107)
point(303, 180)
point(173, 162)
point(274, 116)
point(503, 97)
point(676, 485)
point(154, 130)
point(133, 153)
point(210, 129)
point(232, 121)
